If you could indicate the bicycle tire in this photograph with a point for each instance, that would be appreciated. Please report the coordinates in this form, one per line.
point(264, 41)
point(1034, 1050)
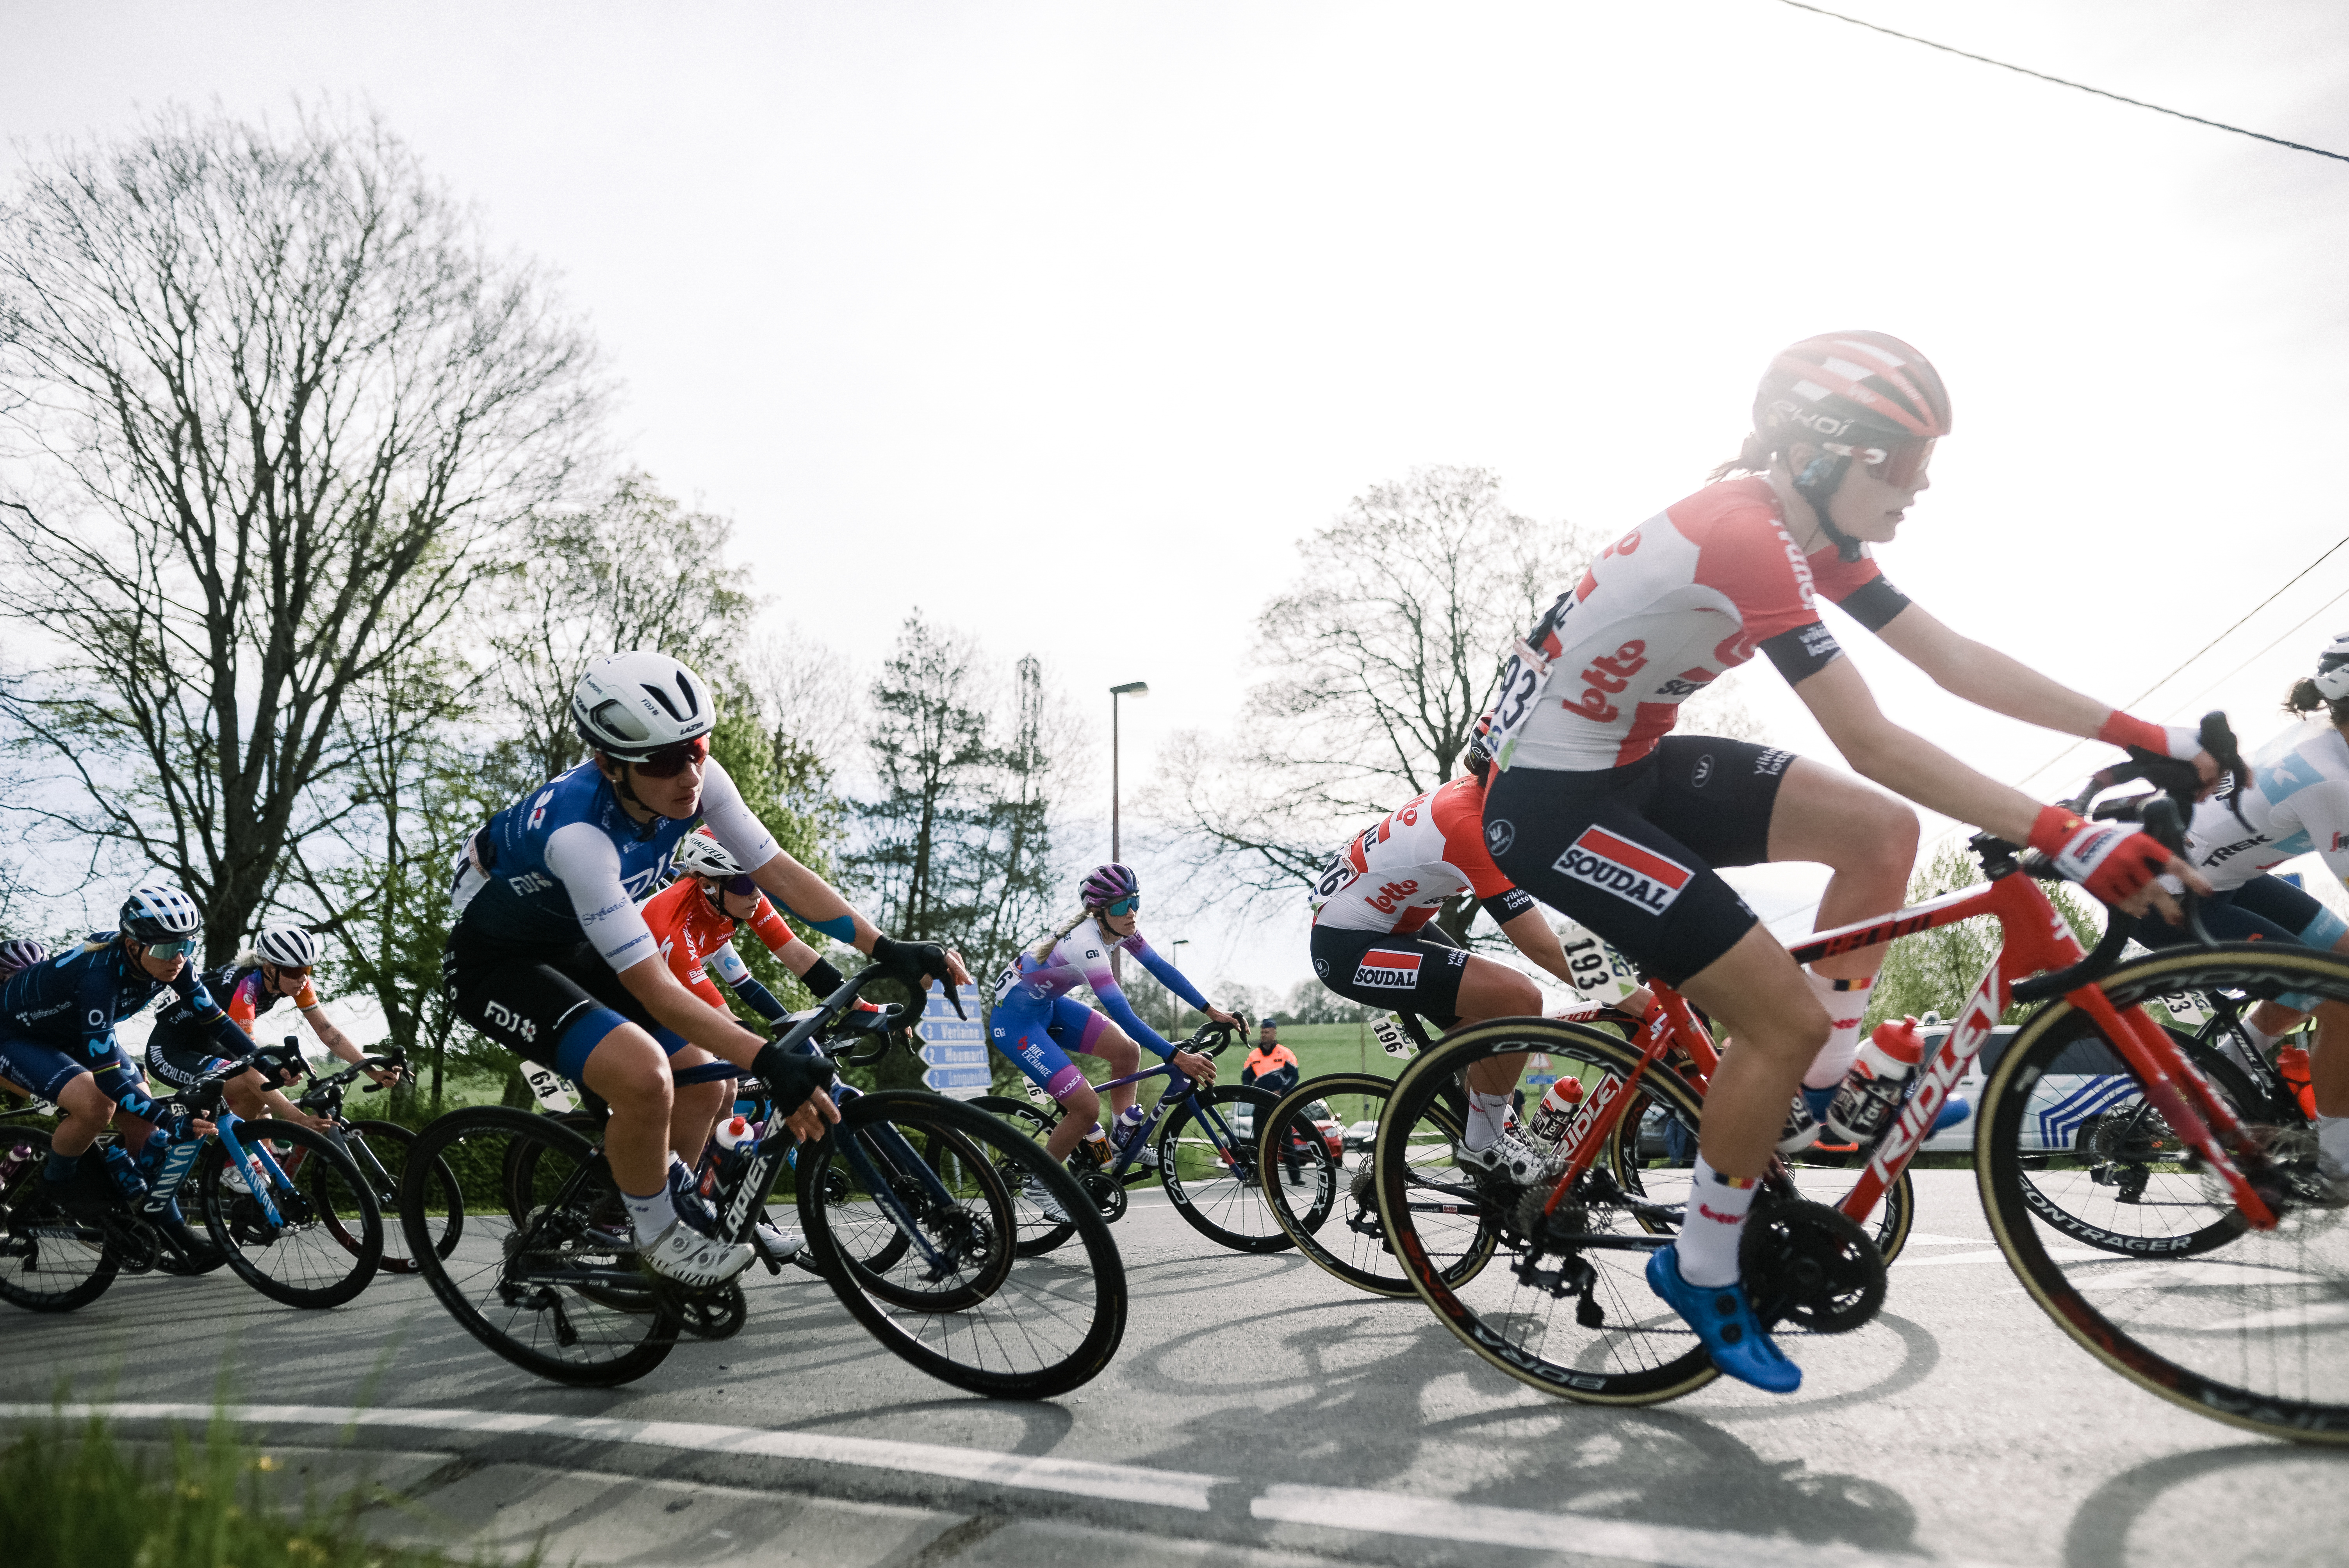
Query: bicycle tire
point(2229, 1330)
point(571, 1222)
point(1640, 1352)
point(996, 1322)
point(1039, 1234)
point(331, 1241)
point(1210, 1170)
point(380, 1140)
point(40, 1248)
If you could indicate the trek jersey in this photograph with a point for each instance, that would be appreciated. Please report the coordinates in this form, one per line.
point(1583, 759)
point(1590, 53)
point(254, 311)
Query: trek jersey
point(1395, 874)
point(243, 997)
point(2297, 801)
point(1028, 990)
point(564, 863)
point(73, 1002)
point(695, 938)
point(1688, 594)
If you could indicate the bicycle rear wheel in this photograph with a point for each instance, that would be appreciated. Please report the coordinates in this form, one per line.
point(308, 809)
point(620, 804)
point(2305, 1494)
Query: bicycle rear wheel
point(960, 1301)
point(49, 1261)
point(380, 1150)
point(1207, 1163)
point(327, 1239)
point(2245, 1327)
point(1569, 1310)
point(544, 1274)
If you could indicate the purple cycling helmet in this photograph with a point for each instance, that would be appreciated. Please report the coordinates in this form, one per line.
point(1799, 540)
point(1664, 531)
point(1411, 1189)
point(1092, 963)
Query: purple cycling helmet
point(1105, 885)
point(20, 953)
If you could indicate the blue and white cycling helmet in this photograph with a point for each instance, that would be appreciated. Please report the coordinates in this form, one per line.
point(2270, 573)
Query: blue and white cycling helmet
point(157, 911)
point(629, 706)
point(1105, 885)
point(20, 953)
point(2332, 676)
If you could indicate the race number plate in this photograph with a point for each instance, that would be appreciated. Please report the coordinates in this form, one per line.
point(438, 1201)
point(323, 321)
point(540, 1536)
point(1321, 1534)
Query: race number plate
point(1523, 679)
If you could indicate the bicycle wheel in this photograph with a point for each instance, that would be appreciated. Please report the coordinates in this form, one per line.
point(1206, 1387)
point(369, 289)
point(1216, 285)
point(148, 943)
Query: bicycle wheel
point(327, 1239)
point(546, 1276)
point(961, 1302)
point(1646, 1166)
point(1570, 1312)
point(49, 1261)
point(2245, 1327)
point(1206, 1162)
point(1037, 1233)
point(380, 1150)
point(1349, 1242)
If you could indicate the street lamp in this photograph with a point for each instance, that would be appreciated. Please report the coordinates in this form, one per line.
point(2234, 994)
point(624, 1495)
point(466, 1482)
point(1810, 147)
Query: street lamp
point(1131, 688)
point(1175, 956)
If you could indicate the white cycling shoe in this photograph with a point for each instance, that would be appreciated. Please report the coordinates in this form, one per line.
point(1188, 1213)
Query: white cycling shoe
point(781, 1245)
point(684, 1255)
point(1146, 1157)
point(1505, 1157)
point(1036, 1193)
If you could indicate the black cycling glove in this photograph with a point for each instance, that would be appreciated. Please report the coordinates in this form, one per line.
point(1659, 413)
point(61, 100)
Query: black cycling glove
point(791, 1076)
point(914, 963)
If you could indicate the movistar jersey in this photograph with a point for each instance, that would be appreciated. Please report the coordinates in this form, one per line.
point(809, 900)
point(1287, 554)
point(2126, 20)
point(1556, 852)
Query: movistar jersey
point(75, 1002)
point(564, 863)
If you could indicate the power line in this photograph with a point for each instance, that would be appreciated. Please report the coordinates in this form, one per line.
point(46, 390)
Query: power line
point(2059, 81)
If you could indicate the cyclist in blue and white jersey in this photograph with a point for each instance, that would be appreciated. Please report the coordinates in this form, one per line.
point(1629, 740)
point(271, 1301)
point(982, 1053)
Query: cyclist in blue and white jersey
point(1035, 1023)
point(551, 958)
point(56, 1030)
point(2295, 802)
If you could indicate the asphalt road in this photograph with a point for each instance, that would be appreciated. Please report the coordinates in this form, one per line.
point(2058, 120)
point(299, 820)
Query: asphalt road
point(1258, 1412)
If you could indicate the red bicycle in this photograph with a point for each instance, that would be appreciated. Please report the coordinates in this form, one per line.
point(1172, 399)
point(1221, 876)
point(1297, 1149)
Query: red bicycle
point(2186, 1249)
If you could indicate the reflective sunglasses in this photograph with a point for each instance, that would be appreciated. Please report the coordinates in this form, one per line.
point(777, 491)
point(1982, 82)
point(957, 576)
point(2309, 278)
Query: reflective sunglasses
point(288, 972)
point(1902, 465)
point(1124, 906)
point(671, 761)
point(739, 886)
point(178, 947)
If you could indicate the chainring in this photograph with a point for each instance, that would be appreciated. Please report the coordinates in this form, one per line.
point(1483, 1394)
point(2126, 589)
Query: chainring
point(1108, 1196)
point(713, 1313)
point(1811, 1265)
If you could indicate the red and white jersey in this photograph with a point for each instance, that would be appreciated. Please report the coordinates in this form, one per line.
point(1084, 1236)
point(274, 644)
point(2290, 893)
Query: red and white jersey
point(1666, 609)
point(1395, 874)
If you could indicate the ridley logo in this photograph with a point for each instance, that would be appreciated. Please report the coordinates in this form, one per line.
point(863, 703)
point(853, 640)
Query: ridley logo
point(1385, 967)
point(1632, 873)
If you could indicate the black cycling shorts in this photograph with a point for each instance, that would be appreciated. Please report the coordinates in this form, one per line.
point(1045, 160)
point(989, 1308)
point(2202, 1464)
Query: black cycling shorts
point(1419, 974)
point(1629, 853)
point(553, 1012)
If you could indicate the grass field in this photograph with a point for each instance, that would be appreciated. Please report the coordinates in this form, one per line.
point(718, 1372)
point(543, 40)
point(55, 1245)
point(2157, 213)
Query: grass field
point(1331, 1048)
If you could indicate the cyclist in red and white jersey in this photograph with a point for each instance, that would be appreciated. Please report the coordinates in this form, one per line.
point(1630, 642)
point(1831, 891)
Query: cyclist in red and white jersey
point(1599, 812)
point(1375, 940)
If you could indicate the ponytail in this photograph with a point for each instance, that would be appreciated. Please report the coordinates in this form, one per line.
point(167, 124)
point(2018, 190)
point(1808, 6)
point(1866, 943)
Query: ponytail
point(2305, 698)
point(1044, 949)
point(1753, 457)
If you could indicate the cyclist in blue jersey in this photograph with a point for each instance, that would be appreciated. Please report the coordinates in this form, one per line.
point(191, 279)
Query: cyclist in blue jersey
point(57, 1031)
point(1035, 1023)
point(275, 968)
point(551, 957)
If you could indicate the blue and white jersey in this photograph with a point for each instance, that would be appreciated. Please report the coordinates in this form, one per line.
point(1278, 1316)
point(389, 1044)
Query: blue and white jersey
point(564, 863)
point(73, 1002)
point(2297, 802)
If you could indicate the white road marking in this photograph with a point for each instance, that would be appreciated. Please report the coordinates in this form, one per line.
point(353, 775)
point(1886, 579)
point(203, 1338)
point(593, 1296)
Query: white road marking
point(1392, 1514)
point(1992, 1256)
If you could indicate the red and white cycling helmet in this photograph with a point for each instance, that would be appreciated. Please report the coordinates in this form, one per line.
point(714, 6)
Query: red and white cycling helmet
point(1105, 885)
point(1479, 755)
point(699, 855)
point(1862, 398)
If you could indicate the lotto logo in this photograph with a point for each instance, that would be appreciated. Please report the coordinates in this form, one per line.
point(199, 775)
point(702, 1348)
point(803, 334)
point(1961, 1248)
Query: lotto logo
point(1630, 873)
point(1384, 966)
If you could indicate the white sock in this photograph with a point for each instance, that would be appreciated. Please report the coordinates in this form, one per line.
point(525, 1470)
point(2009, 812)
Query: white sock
point(2332, 1142)
point(1717, 1208)
point(1846, 1005)
point(650, 1215)
point(1487, 1115)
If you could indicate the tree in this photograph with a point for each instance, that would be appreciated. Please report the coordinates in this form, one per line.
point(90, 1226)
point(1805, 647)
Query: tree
point(1936, 971)
point(269, 408)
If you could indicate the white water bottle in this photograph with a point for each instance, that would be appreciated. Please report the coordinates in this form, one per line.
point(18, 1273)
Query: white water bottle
point(1876, 1080)
point(733, 1132)
point(1556, 1112)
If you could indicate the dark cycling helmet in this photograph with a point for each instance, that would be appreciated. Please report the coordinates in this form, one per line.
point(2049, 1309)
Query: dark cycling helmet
point(286, 946)
point(1479, 755)
point(20, 953)
point(629, 706)
point(157, 911)
point(1864, 396)
point(1105, 885)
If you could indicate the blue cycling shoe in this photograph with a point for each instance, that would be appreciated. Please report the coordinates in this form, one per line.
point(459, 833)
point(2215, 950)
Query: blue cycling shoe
point(1724, 1320)
point(1818, 1099)
point(1953, 1112)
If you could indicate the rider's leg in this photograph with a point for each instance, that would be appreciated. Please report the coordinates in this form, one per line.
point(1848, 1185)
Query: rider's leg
point(1117, 1052)
point(88, 1109)
point(630, 1070)
point(694, 1107)
point(1491, 990)
point(1080, 1109)
point(1867, 840)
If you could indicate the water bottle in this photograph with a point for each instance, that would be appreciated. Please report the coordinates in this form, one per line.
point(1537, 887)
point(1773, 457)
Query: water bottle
point(1876, 1080)
point(1128, 1123)
point(734, 1140)
point(12, 1160)
point(125, 1171)
point(1097, 1147)
point(2291, 1066)
point(1556, 1112)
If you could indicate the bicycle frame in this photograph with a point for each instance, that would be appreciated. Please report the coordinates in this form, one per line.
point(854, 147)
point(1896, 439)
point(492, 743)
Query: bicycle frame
point(2034, 938)
point(1186, 1089)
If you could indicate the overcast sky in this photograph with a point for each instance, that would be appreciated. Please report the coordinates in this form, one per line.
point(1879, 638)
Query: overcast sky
point(1065, 321)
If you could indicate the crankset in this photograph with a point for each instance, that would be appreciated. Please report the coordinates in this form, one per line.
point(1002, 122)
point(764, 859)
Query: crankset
point(717, 1313)
point(1108, 1196)
point(1811, 1265)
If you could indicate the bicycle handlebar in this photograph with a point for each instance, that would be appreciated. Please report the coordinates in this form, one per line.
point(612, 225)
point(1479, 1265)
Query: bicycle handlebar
point(2163, 818)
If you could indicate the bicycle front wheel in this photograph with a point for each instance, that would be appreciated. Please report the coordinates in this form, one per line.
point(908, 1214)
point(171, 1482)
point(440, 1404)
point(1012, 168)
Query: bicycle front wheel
point(1206, 1162)
point(2135, 1249)
point(380, 1150)
point(543, 1273)
point(960, 1300)
point(323, 1243)
point(49, 1260)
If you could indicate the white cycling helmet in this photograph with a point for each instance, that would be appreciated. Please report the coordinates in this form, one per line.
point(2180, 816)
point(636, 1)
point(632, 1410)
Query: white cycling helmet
point(287, 946)
point(2331, 678)
point(629, 706)
point(699, 855)
point(157, 911)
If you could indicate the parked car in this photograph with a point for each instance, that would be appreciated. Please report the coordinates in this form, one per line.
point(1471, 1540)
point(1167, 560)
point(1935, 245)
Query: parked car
point(1334, 1134)
point(1362, 1136)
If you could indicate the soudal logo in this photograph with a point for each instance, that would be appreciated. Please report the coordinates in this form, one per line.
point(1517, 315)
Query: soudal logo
point(1385, 967)
point(1392, 896)
point(1607, 677)
point(1630, 871)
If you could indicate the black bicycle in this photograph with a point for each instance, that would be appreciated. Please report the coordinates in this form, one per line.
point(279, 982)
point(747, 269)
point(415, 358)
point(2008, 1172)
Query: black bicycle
point(378, 1149)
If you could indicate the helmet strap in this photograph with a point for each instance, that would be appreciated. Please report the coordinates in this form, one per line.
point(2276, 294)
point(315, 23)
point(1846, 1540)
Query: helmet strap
point(1818, 481)
point(625, 789)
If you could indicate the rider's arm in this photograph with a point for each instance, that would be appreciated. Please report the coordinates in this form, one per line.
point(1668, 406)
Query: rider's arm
point(1905, 762)
point(1530, 935)
point(678, 1009)
point(314, 1013)
point(729, 967)
point(1120, 1012)
point(227, 1033)
point(1168, 974)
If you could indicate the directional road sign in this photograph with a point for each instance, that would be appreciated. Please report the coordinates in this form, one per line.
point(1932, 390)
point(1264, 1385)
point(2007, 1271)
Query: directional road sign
point(953, 1050)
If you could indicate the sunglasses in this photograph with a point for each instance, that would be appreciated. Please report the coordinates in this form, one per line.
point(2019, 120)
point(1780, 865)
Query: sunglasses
point(1124, 906)
point(1902, 465)
point(739, 886)
point(178, 948)
point(671, 761)
point(287, 971)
